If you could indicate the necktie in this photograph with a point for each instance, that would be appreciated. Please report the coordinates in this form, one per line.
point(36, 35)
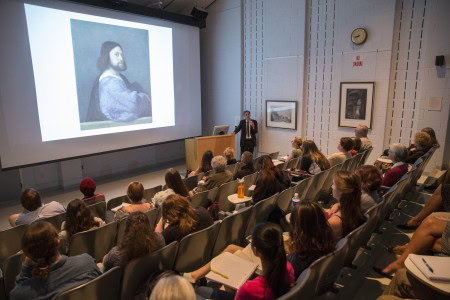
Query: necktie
point(248, 130)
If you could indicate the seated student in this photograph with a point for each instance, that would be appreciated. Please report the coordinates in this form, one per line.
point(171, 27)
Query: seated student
point(34, 209)
point(139, 240)
point(135, 193)
point(270, 181)
point(344, 146)
point(361, 132)
point(356, 146)
point(296, 143)
point(175, 185)
point(45, 272)
point(397, 153)
point(278, 274)
point(205, 164)
point(247, 168)
point(229, 156)
point(181, 219)
point(432, 134)
point(78, 218)
point(345, 215)
point(308, 243)
point(87, 187)
point(218, 177)
point(371, 179)
point(173, 287)
point(422, 143)
point(313, 161)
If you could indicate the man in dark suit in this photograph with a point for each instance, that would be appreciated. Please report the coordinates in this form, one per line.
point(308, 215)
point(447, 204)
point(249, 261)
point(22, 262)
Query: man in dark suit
point(249, 129)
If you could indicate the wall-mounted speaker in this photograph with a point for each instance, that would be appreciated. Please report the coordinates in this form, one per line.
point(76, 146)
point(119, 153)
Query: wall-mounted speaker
point(199, 13)
point(440, 61)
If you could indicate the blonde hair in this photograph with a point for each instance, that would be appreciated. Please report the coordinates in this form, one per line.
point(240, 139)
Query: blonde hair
point(135, 191)
point(297, 141)
point(422, 140)
point(173, 288)
point(229, 153)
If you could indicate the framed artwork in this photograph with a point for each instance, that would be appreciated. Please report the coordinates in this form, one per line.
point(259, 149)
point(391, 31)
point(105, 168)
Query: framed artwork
point(356, 104)
point(281, 114)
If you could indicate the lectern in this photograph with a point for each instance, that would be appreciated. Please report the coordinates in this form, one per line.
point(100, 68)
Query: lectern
point(195, 147)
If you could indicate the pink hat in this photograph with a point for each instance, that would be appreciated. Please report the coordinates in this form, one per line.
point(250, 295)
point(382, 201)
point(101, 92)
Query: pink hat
point(87, 186)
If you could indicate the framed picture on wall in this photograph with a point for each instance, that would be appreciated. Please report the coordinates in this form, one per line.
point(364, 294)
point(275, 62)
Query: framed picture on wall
point(356, 104)
point(281, 114)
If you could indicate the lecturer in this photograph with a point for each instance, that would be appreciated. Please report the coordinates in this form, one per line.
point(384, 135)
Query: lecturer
point(249, 130)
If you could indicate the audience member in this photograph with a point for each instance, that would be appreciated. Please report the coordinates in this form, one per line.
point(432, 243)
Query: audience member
point(78, 218)
point(34, 209)
point(205, 164)
point(296, 148)
point(175, 185)
point(313, 161)
point(87, 187)
point(139, 240)
point(345, 215)
point(432, 134)
point(229, 156)
point(361, 132)
point(247, 168)
point(398, 154)
point(422, 143)
point(356, 146)
point(344, 146)
point(182, 219)
point(270, 181)
point(173, 288)
point(218, 177)
point(135, 193)
point(308, 243)
point(371, 179)
point(45, 272)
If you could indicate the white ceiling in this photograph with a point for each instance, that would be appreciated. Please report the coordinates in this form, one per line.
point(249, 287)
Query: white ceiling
point(177, 6)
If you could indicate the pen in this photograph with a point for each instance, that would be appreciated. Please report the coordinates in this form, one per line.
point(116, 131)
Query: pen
point(220, 274)
point(428, 266)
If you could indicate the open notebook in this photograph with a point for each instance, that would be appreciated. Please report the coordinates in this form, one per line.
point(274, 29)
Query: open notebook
point(231, 270)
point(433, 267)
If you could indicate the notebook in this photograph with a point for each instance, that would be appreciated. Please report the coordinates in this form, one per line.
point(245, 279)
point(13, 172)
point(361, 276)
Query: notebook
point(433, 267)
point(247, 254)
point(115, 209)
point(230, 270)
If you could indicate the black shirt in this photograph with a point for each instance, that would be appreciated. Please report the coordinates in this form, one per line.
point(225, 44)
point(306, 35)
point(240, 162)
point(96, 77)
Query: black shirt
point(244, 171)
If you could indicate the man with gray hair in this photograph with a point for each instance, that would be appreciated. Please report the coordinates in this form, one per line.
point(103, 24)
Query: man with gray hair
point(219, 175)
point(361, 132)
point(398, 154)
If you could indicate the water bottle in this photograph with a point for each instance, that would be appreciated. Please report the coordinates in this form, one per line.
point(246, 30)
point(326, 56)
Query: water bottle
point(241, 188)
point(295, 200)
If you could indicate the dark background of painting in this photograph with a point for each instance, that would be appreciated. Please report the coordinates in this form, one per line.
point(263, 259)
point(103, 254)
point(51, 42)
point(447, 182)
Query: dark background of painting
point(352, 97)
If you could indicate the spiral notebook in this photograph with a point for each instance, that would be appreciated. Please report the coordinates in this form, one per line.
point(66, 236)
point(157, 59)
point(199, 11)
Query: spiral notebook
point(433, 267)
point(231, 270)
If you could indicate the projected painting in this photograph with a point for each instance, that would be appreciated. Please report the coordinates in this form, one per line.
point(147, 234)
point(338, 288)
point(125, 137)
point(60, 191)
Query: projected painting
point(112, 74)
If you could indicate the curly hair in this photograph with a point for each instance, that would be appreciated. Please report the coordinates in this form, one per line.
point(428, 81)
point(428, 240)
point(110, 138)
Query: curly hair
point(78, 218)
point(139, 238)
point(228, 153)
point(422, 140)
point(311, 235)
point(371, 178)
point(177, 209)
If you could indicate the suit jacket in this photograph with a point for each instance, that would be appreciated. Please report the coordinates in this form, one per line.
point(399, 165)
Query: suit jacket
point(253, 131)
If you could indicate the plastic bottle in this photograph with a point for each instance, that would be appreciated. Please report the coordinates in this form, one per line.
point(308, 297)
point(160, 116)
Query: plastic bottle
point(295, 200)
point(241, 188)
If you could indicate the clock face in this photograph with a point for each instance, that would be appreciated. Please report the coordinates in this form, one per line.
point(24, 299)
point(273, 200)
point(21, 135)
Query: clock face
point(359, 36)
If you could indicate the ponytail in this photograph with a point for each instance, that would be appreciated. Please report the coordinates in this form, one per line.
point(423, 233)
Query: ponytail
point(41, 269)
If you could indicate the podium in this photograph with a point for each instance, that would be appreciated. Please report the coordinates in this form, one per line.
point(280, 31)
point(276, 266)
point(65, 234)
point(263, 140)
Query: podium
point(195, 147)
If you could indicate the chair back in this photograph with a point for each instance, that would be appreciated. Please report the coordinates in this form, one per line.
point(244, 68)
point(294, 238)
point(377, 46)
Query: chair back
point(98, 209)
point(284, 199)
point(232, 168)
point(191, 182)
point(105, 286)
point(201, 199)
point(224, 191)
point(149, 193)
point(11, 268)
point(346, 164)
point(249, 180)
point(354, 241)
point(114, 202)
point(356, 160)
point(292, 163)
point(257, 163)
point(96, 242)
point(136, 273)
point(261, 212)
point(195, 249)
point(274, 155)
point(167, 255)
point(11, 241)
point(232, 230)
point(373, 216)
point(152, 215)
point(328, 182)
point(239, 166)
point(56, 220)
point(330, 271)
point(315, 187)
point(302, 187)
point(366, 155)
point(303, 288)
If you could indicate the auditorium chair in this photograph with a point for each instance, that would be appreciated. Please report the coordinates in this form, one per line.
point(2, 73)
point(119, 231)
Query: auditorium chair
point(249, 180)
point(326, 187)
point(11, 241)
point(167, 255)
point(284, 199)
point(274, 155)
point(303, 288)
point(232, 230)
point(366, 155)
point(224, 191)
point(232, 168)
point(346, 164)
point(354, 242)
point(203, 198)
point(149, 193)
point(106, 286)
point(315, 186)
point(373, 216)
point(96, 242)
point(98, 209)
point(356, 161)
point(261, 212)
point(114, 202)
point(11, 268)
point(56, 220)
point(136, 273)
point(195, 249)
point(292, 164)
point(302, 187)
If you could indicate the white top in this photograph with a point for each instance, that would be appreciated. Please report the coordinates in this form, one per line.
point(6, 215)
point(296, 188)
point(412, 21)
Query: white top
point(235, 200)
